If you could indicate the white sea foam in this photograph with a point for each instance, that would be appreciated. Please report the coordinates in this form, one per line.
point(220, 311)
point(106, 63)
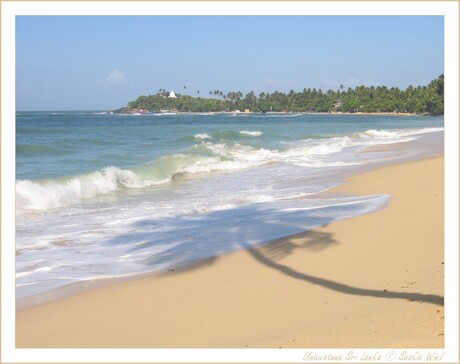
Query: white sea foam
point(33, 195)
point(202, 136)
point(379, 133)
point(260, 198)
point(280, 115)
point(32, 271)
point(251, 133)
point(133, 241)
point(424, 131)
point(397, 133)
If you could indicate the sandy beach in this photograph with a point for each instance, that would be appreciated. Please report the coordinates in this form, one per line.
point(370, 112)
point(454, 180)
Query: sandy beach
point(371, 281)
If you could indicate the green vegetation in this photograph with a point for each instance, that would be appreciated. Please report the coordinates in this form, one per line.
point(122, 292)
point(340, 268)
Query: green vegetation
point(422, 99)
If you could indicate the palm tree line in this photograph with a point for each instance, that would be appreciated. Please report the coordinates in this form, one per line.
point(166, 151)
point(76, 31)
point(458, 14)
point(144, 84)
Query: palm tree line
point(420, 99)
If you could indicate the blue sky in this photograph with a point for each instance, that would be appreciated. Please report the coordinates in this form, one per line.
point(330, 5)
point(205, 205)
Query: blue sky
point(103, 62)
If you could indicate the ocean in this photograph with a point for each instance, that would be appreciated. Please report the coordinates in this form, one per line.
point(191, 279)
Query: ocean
point(109, 195)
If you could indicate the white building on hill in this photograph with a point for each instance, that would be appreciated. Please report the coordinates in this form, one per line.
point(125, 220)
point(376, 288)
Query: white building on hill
point(172, 95)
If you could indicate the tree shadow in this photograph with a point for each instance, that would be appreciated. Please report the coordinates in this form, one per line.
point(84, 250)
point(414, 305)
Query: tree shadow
point(258, 254)
point(310, 240)
point(183, 241)
point(196, 241)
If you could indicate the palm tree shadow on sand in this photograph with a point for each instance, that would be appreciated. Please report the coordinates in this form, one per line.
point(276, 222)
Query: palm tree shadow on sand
point(190, 236)
point(269, 255)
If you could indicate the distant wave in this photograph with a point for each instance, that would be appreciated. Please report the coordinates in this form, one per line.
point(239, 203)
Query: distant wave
point(202, 136)
point(280, 115)
point(228, 134)
point(252, 133)
point(396, 134)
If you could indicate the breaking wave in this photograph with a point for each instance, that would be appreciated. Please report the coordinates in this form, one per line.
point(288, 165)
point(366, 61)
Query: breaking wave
point(252, 133)
point(202, 158)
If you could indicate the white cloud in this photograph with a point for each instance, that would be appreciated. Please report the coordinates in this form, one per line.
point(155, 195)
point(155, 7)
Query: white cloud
point(116, 77)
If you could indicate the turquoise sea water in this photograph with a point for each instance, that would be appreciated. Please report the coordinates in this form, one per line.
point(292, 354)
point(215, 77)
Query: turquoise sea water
point(101, 195)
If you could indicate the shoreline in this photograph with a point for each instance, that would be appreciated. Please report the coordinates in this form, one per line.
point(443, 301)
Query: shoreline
point(272, 113)
point(283, 294)
point(95, 283)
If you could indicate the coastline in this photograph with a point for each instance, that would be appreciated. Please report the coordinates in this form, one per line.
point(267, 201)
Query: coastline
point(385, 288)
point(274, 113)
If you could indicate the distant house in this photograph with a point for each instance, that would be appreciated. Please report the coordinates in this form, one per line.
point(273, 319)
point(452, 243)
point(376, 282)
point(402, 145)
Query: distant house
point(337, 105)
point(172, 95)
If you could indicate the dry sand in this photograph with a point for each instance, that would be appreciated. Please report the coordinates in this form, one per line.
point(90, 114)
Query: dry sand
point(370, 281)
